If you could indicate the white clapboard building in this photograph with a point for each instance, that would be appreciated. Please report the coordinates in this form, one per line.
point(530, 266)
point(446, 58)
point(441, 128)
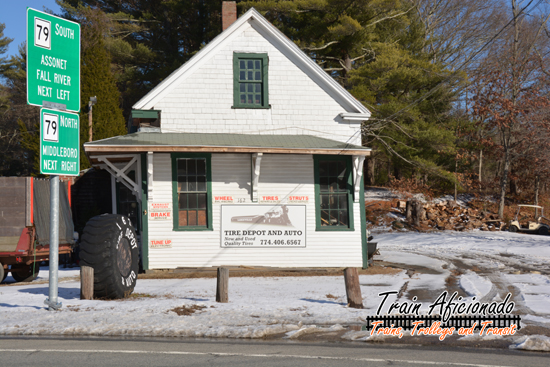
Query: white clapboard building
point(248, 154)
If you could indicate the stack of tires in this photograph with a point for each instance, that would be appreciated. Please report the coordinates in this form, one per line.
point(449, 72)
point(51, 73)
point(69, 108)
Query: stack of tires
point(109, 245)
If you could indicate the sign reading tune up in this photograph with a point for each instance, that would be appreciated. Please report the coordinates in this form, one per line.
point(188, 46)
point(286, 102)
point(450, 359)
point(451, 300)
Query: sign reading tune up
point(53, 61)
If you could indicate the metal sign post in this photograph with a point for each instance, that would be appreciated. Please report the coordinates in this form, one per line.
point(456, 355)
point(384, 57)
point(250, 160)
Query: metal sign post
point(51, 301)
point(53, 81)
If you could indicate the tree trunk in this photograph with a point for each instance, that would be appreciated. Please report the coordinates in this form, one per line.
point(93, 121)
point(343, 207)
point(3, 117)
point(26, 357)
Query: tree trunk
point(513, 186)
point(537, 186)
point(480, 164)
point(370, 171)
point(396, 173)
point(347, 69)
point(456, 178)
point(504, 182)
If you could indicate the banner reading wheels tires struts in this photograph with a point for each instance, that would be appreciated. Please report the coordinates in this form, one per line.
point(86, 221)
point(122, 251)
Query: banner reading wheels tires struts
point(263, 226)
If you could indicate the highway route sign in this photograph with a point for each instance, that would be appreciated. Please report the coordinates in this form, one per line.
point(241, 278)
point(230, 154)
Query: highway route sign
point(59, 143)
point(53, 61)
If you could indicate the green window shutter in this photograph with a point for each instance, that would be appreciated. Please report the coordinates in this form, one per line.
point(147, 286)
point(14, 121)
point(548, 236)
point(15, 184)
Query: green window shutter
point(333, 193)
point(192, 191)
point(250, 77)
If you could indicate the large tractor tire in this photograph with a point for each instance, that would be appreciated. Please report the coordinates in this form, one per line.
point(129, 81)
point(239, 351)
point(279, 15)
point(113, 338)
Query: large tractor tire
point(109, 245)
point(26, 273)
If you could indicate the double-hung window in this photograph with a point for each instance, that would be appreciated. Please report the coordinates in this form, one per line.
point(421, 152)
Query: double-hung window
point(250, 88)
point(333, 193)
point(192, 201)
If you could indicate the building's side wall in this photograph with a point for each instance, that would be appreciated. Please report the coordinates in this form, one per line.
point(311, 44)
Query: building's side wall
point(298, 104)
point(281, 175)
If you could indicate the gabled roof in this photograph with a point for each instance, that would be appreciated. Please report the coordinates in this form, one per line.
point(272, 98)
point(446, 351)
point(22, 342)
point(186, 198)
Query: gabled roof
point(221, 143)
point(275, 36)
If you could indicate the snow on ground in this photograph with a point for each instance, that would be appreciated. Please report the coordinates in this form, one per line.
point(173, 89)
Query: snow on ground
point(485, 265)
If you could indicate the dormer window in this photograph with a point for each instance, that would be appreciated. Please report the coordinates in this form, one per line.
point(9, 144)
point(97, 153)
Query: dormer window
point(250, 80)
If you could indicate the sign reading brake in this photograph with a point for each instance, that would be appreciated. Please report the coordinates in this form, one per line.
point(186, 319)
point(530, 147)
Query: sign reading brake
point(160, 211)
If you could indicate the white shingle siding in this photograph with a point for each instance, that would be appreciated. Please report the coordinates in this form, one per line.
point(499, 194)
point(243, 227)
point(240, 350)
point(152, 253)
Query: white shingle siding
point(281, 175)
point(204, 99)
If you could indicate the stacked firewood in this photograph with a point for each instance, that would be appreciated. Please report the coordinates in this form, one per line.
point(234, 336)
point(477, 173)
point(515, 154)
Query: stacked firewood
point(448, 215)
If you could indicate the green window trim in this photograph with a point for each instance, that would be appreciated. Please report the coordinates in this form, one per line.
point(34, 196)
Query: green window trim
point(175, 201)
point(237, 57)
point(363, 215)
point(144, 218)
point(317, 159)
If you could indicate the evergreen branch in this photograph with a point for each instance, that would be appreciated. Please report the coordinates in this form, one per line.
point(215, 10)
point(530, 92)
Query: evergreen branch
point(360, 57)
point(391, 17)
point(135, 20)
point(320, 48)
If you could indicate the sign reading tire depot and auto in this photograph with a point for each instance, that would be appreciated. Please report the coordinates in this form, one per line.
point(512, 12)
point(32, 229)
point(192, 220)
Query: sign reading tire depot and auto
point(263, 225)
point(53, 61)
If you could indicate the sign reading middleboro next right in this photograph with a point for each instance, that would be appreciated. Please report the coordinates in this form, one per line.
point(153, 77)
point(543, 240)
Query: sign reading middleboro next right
point(59, 143)
point(53, 61)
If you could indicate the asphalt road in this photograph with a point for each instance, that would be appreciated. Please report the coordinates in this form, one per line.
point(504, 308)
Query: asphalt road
point(182, 352)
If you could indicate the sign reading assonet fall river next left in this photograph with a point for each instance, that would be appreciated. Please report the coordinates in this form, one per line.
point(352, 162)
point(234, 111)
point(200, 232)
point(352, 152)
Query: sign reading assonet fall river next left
point(53, 61)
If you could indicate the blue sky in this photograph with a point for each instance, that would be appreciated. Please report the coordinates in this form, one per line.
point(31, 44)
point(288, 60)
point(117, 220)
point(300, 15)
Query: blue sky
point(13, 13)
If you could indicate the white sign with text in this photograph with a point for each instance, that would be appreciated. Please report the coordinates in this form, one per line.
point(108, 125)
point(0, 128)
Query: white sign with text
point(160, 211)
point(263, 226)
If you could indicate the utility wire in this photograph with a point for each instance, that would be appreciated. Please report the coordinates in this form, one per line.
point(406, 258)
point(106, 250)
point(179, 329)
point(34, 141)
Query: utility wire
point(466, 62)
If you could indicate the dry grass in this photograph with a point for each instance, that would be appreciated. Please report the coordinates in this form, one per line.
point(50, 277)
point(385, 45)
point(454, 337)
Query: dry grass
point(142, 295)
point(187, 310)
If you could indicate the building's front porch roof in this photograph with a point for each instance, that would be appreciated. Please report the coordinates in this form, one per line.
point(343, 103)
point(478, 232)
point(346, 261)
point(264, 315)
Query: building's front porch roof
point(157, 142)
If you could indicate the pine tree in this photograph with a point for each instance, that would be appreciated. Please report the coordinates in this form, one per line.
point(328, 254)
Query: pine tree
point(96, 80)
point(4, 43)
point(148, 39)
point(19, 122)
point(376, 50)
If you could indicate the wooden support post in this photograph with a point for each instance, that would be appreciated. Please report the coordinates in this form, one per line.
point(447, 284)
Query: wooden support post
point(222, 287)
point(353, 288)
point(86, 282)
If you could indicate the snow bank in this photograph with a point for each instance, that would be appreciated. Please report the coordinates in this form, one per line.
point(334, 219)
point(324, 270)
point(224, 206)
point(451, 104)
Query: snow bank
point(295, 306)
point(540, 343)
